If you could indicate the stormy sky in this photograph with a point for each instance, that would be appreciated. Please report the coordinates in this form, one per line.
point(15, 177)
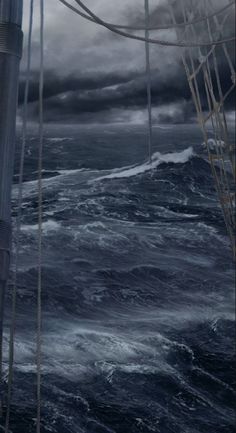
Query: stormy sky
point(93, 75)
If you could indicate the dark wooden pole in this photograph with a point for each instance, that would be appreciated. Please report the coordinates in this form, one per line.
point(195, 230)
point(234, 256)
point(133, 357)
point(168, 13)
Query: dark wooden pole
point(10, 54)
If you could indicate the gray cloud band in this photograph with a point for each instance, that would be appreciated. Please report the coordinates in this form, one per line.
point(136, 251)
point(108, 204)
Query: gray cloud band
point(100, 72)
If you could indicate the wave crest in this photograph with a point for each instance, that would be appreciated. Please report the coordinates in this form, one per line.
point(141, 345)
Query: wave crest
point(157, 159)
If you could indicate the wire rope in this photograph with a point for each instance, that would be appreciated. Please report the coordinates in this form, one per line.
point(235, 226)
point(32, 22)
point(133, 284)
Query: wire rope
point(148, 74)
point(161, 42)
point(150, 28)
point(40, 218)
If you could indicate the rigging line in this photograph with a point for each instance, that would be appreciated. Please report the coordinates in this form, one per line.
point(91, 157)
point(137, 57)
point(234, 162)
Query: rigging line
point(40, 212)
point(148, 73)
point(18, 220)
point(207, 56)
point(218, 26)
point(219, 127)
point(219, 85)
point(141, 28)
point(150, 40)
point(219, 180)
point(191, 57)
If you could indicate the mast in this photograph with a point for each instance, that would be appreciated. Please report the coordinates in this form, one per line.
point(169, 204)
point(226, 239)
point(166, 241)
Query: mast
point(10, 54)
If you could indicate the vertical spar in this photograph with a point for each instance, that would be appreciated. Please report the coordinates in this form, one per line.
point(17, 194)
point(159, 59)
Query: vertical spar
point(10, 53)
point(148, 74)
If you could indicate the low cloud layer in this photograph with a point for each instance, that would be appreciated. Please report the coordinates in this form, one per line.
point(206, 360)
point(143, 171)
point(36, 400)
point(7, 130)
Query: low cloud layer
point(94, 76)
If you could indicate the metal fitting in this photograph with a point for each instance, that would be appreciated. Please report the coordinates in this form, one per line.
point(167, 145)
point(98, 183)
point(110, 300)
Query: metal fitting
point(11, 39)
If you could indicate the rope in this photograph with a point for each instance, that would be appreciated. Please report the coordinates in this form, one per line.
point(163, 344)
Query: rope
point(141, 28)
point(18, 220)
point(216, 115)
point(148, 73)
point(150, 40)
point(40, 214)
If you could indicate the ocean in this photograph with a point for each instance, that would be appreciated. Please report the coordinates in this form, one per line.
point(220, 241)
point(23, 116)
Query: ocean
point(138, 299)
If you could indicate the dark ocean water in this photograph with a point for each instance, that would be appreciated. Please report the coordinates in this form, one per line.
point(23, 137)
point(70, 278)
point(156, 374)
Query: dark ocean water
point(138, 287)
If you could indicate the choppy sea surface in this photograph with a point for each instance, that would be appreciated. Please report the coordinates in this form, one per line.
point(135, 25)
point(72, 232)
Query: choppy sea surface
point(138, 286)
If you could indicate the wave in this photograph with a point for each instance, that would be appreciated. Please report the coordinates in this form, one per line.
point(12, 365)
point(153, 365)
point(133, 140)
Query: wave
point(47, 226)
point(157, 159)
point(58, 139)
point(72, 171)
point(30, 186)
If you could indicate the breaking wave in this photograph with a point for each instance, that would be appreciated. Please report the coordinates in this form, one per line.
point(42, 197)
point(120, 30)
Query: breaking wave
point(157, 159)
point(47, 226)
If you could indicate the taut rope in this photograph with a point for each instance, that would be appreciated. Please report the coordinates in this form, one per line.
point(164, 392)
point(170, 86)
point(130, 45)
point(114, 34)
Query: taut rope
point(148, 73)
point(40, 218)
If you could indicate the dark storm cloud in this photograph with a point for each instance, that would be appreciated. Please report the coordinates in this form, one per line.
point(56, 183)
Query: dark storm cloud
point(72, 97)
point(102, 75)
point(56, 85)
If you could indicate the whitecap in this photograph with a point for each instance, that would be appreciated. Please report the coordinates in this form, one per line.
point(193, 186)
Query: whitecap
point(59, 139)
point(47, 226)
point(157, 159)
